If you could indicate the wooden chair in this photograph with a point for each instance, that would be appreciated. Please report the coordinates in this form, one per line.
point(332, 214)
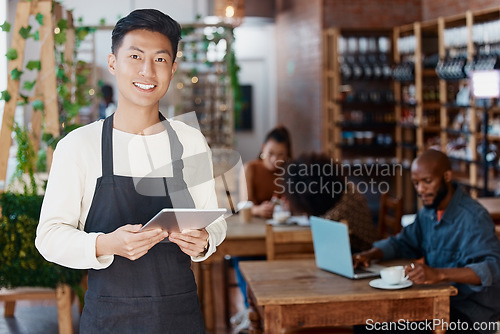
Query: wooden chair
point(288, 242)
point(391, 211)
point(62, 294)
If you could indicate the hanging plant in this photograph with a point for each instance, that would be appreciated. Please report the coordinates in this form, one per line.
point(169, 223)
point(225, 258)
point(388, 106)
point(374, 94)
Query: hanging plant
point(21, 263)
point(26, 159)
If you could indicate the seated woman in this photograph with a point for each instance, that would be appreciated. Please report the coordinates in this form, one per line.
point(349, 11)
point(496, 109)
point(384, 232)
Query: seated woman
point(262, 183)
point(315, 186)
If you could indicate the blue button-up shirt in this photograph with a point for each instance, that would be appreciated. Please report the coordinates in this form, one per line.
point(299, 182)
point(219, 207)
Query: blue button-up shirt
point(464, 237)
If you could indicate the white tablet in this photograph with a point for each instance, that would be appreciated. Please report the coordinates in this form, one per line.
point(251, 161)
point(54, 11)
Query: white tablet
point(176, 220)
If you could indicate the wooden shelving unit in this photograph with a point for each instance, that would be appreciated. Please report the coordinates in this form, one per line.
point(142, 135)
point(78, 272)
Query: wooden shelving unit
point(430, 116)
point(358, 105)
point(204, 81)
point(358, 97)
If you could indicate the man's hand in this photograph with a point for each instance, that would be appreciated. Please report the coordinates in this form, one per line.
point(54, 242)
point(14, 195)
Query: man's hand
point(361, 259)
point(420, 273)
point(128, 242)
point(192, 242)
point(364, 258)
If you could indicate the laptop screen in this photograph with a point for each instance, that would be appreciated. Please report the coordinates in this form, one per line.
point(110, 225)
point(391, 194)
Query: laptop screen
point(331, 246)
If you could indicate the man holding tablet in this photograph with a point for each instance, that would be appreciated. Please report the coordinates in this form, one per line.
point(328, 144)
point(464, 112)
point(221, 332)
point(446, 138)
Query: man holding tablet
point(93, 210)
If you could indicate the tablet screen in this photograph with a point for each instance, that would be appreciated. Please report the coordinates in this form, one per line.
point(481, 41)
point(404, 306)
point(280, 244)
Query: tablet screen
point(176, 220)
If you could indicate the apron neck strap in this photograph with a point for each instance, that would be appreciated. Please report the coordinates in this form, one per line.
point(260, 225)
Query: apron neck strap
point(107, 146)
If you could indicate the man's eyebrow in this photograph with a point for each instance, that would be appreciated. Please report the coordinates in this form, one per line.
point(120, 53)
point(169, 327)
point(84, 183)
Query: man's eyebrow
point(135, 48)
point(157, 52)
point(164, 51)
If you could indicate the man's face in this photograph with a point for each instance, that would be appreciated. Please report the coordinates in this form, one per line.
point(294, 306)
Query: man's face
point(143, 66)
point(429, 185)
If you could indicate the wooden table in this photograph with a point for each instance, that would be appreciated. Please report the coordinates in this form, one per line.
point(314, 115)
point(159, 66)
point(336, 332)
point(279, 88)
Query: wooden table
point(296, 294)
point(242, 239)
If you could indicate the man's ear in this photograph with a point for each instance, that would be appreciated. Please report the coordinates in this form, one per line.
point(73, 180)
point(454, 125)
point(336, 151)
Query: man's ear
point(174, 68)
point(111, 63)
point(448, 176)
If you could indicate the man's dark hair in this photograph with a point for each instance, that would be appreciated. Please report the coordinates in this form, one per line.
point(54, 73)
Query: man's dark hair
point(147, 19)
point(303, 182)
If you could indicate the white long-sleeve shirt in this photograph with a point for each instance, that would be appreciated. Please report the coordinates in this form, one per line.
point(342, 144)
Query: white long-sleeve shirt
point(72, 180)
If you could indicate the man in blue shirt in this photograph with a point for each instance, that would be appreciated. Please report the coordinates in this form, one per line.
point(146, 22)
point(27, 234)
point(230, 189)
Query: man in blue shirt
point(454, 236)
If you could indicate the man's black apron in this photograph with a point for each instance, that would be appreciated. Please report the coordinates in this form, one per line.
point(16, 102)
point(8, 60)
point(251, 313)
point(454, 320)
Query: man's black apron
point(157, 292)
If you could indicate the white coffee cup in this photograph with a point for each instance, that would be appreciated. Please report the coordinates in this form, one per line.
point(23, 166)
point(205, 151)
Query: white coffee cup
point(281, 216)
point(393, 275)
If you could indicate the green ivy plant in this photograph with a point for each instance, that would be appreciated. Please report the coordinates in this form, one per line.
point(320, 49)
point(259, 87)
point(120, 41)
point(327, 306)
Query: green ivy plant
point(26, 160)
point(21, 264)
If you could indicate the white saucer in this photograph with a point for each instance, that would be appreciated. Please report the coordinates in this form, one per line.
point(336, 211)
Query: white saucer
point(380, 284)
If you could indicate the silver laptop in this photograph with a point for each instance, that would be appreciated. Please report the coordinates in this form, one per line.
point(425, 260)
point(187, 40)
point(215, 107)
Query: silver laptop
point(332, 249)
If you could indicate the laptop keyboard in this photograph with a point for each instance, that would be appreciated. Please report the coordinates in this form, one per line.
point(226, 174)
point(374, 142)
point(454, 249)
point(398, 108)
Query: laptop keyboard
point(361, 271)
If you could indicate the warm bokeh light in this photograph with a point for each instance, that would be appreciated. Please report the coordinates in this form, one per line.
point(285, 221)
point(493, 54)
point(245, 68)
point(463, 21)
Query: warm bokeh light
point(57, 30)
point(180, 85)
point(91, 91)
point(229, 11)
point(194, 80)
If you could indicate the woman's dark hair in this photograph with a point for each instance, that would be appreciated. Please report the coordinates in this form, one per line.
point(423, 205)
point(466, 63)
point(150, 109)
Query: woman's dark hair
point(280, 135)
point(147, 19)
point(313, 184)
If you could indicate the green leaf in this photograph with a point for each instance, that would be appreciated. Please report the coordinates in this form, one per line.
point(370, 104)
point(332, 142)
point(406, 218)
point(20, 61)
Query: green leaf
point(5, 96)
point(15, 74)
point(62, 24)
point(71, 108)
point(81, 79)
point(24, 99)
point(25, 32)
point(102, 22)
point(62, 91)
point(34, 64)
point(5, 26)
point(38, 105)
point(28, 85)
point(81, 33)
point(36, 35)
point(60, 38)
point(39, 18)
point(60, 73)
point(11, 54)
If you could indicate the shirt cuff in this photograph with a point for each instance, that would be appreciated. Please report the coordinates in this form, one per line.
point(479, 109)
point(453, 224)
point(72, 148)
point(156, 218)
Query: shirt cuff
point(210, 250)
point(100, 262)
point(481, 270)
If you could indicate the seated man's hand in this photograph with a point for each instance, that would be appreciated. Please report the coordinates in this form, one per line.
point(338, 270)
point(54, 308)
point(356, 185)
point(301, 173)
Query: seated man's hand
point(364, 258)
point(420, 273)
point(361, 259)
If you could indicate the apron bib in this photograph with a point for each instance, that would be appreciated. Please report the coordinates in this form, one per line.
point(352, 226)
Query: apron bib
point(157, 292)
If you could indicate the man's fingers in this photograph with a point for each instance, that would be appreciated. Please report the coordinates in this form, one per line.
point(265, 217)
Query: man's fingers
point(131, 227)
